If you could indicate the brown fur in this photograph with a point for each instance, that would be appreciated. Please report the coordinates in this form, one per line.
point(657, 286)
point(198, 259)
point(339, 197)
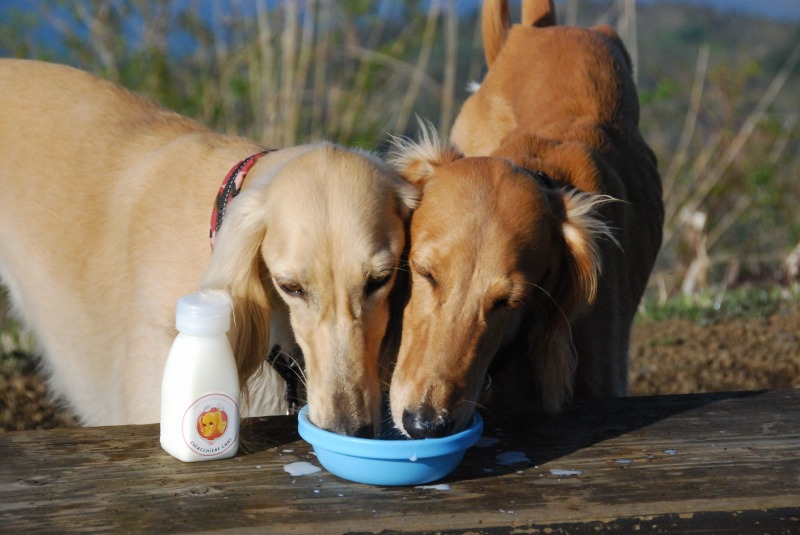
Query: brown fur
point(539, 278)
point(106, 200)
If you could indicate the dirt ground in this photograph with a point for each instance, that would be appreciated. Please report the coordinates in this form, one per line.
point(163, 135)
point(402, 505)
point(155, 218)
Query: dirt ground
point(748, 353)
point(667, 357)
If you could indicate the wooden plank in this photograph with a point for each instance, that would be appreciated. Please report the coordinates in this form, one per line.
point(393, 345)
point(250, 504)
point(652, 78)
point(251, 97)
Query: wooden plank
point(725, 462)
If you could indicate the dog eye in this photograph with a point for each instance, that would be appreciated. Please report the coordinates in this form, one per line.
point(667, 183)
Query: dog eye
point(430, 279)
point(425, 274)
point(376, 282)
point(499, 304)
point(506, 303)
point(291, 288)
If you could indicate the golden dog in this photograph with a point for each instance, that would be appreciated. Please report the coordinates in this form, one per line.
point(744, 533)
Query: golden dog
point(106, 202)
point(554, 186)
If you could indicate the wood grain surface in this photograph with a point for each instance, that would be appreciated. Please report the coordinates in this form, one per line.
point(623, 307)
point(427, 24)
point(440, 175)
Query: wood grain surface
point(700, 463)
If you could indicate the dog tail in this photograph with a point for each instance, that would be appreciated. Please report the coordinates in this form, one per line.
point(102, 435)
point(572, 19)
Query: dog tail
point(495, 22)
point(538, 13)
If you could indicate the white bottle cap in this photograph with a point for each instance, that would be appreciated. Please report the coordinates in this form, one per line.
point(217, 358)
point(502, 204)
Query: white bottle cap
point(205, 313)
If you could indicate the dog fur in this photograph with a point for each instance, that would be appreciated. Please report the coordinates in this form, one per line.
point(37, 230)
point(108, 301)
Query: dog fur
point(106, 202)
point(536, 231)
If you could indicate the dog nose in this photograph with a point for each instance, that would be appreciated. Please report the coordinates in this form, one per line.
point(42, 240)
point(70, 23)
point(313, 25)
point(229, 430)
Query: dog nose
point(427, 423)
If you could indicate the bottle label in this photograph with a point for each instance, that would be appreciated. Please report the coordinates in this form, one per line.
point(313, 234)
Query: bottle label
point(211, 425)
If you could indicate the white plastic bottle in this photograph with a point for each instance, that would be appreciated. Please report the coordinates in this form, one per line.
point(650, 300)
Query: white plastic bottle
point(200, 388)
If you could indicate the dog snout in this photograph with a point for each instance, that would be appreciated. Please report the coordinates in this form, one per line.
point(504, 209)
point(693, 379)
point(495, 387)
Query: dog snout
point(365, 431)
point(351, 429)
point(426, 422)
point(343, 414)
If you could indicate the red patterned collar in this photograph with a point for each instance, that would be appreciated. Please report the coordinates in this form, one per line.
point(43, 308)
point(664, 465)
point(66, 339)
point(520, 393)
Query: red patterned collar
point(230, 188)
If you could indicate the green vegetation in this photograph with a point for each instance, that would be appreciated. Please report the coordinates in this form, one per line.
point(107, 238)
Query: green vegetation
point(717, 306)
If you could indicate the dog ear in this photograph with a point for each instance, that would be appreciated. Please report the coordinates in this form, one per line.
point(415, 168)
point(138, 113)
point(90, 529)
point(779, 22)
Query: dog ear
point(407, 197)
point(572, 286)
point(583, 229)
point(416, 161)
point(236, 265)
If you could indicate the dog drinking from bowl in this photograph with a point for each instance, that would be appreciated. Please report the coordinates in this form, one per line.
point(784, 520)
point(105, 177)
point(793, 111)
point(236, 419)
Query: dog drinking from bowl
point(535, 234)
point(106, 201)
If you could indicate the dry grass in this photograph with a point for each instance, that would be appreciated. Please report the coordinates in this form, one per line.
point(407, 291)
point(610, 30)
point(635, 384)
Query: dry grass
point(24, 401)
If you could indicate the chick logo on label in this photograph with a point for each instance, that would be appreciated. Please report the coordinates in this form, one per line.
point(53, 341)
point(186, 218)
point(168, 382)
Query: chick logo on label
point(211, 424)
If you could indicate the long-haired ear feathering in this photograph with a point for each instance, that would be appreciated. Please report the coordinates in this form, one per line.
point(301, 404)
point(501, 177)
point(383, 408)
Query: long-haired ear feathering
point(237, 267)
point(556, 359)
point(582, 231)
point(417, 160)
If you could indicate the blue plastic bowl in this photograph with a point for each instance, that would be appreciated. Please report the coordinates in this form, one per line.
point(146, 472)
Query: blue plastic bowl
point(389, 462)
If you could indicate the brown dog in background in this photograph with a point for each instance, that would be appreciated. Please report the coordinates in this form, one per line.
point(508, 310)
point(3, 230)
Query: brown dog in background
point(104, 224)
point(536, 232)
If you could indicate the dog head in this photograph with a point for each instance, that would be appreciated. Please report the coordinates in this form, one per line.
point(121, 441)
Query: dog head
point(323, 232)
point(495, 251)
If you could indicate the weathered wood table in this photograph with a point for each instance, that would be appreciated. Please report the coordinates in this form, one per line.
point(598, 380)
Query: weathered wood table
point(726, 462)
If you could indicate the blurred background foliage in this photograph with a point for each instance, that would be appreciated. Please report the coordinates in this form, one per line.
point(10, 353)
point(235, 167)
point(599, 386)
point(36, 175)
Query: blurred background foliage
point(719, 95)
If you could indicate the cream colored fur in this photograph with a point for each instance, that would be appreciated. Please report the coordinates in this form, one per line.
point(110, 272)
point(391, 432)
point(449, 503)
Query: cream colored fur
point(106, 201)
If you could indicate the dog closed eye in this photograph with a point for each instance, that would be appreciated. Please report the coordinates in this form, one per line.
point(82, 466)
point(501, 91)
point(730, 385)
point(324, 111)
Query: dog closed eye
point(376, 282)
point(506, 303)
point(425, 273)
point(291, 288)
